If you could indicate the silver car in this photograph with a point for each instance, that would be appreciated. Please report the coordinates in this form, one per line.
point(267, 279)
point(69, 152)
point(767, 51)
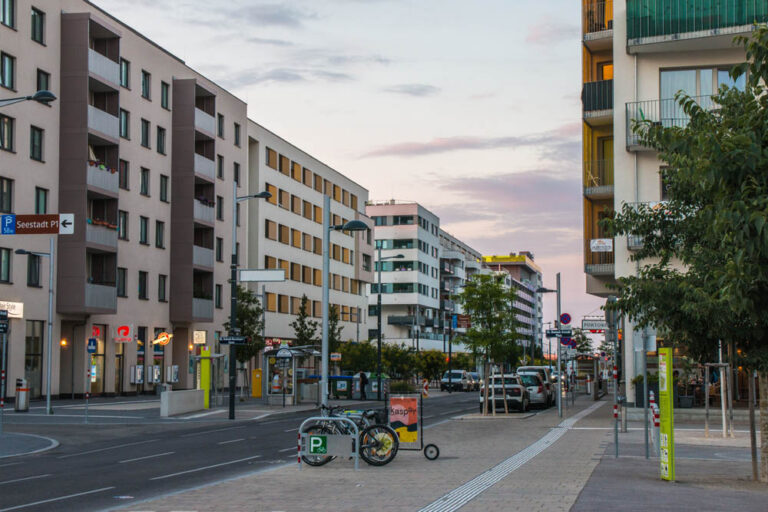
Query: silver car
point(537, 392)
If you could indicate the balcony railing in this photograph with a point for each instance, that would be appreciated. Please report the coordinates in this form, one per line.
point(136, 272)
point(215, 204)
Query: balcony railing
point(202, 308)
point(202, 256)
point(598, 263)
point(100, 296)
point(103, 67)
point(597, 16)
point(598, 179)
point(665, 112)
point(406, 320)
point(205, 166)
point(204, 122)
point(103, 122)
point(101, 235)
point(597, 96)
point(660, 18)
point(103, 177)
point(203, 212)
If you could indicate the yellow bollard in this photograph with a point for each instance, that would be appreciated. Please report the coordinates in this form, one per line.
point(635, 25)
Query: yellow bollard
point(205, 377)
point(256, 383)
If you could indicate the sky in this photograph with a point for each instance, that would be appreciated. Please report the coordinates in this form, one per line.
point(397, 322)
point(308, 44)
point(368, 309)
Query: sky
point(470, 108)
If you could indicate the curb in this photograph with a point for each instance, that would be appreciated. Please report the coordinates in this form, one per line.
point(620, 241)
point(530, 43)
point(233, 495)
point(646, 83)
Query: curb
point(53, 444)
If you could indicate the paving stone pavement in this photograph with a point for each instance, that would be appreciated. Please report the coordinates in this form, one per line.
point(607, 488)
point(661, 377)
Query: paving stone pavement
point(552, 480)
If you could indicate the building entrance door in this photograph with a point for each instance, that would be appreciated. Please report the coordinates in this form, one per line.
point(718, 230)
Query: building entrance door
point(97, 360)
point(119, 352)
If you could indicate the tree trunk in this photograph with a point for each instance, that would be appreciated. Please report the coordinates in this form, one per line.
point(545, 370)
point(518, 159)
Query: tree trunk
point(504, 390)
point(763, 380)
point(487, 388)
point(752, 426)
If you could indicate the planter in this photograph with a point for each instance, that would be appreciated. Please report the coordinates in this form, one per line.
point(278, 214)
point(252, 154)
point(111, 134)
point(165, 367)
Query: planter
point(685, 401)
point(652, 386)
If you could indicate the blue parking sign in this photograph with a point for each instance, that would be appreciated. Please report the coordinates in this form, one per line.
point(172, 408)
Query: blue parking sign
point(8, 224)
point(91, 345)
point(454, 321)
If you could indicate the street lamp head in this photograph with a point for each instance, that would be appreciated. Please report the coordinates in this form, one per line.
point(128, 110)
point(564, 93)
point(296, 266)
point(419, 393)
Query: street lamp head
point(398, 256)
point(545, 290)
point(263, 195)
point(21, 251)
point(352, 225)
point(44, 97)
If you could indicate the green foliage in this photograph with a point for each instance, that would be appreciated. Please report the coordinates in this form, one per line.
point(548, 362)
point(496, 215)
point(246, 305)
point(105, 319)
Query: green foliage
point(432, 364)
point(462, 361)
point(334, 330)
point(357, 357)
point(250, 324)
point(398, 361)
point(583, 343)
point(401, 386)
point(304, 327)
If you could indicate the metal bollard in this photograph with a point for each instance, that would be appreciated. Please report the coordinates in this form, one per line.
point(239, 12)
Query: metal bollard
point(623, 417)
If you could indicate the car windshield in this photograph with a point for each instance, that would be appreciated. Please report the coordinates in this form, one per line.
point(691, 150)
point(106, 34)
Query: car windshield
point(452, 375)
point(530, 380)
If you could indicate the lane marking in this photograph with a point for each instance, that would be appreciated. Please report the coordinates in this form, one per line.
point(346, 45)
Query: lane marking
point(210, 431)
point(51, 500)
point(10, 464)
point(261, 416)
point(89, 416)
point(26, 478)
point(200, 415)
point(287, 449)
point(232, 441)
point(291, 429)
point(201, 469)
point(107, 448)
point(463, 494)
point(146, 457)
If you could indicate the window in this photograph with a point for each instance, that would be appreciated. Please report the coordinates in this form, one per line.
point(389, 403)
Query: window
point(41, 201)
point(165, 95)
point(36, 143)
point(273, 191)
point(145, 128)
point(220, 125)
point(284, 199)
point(271, 158)
point(296, 171)
point(143, 285)
point(219, 249)
point(284, 235)
point(144, 230)
point(43, 80)
point(270, 229)
point(122, 225)
point(296, 205)
point(236, 172)
point(121, 282)
point(296, 238)
point(161, 286)
point(38, 26)
point(160, 234)
point(125, 73)
point(220, 166)
point(8, 13)
point(7, 71)
point(6, 132)
point(5, 265)
point(33, 270)
point(145, 84)
point(307, 179)
point(144, 182)
point(122, 170)
point(124, 124)
point(217, 296)
point(219, 208)
point(6, 195)
point(161, 140)
point(237, 135)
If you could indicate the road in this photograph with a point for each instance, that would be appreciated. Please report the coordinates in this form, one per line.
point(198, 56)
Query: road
point(93, 470)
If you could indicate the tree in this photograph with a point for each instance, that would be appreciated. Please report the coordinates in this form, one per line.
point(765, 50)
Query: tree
point(250, 324)
point(334, 330)
point(493, 333)
point(356, 357)
point(432, 364)
point(397, 360)
point(304, 327)
point(583, 343)
point(715, 226)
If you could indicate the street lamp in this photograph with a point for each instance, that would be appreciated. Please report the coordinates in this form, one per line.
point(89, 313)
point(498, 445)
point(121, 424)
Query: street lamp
point(379, 259)
point(557, 321)
point(352, 225)
point(233, 330)
point(44, 97)
point(49, 344)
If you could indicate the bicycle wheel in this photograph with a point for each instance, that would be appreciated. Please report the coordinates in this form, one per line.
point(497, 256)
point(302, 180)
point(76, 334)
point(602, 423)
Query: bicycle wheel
point(378, 445)
point(431, 452)
point(317, 460)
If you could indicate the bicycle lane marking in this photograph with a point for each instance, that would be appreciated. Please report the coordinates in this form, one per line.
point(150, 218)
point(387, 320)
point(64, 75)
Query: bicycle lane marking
point(463, 494)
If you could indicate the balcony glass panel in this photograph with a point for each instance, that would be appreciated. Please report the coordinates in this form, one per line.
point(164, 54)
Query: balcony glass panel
point(203, 212)
point(103, 122)
point(100, 296)
point(597, 95)
point(103, 177)
point(204, 122)
point(204, 166)
point(103, 67)
point(100, 234)
point(202, 308)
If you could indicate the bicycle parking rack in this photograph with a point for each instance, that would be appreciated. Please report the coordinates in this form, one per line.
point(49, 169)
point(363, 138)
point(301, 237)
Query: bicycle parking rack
point(336, 445)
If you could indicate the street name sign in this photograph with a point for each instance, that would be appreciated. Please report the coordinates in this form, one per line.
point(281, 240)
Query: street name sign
point(55, 224)
point(250, 275)
point(559, 333)
point(233, 340)
point(595, 325)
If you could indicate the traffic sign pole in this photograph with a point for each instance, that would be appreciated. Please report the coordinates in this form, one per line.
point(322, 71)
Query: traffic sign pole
point(559, 370)
point(4, 316)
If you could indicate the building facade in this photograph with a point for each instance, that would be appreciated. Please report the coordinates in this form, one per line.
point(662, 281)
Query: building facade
point(287, 233)
point(458, 263)
point(636, 56)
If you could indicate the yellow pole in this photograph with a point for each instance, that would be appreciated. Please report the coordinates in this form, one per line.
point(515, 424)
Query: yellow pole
point(205, 377)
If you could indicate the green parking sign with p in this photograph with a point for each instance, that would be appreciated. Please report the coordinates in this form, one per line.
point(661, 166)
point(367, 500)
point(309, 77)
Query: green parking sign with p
point(318, 445)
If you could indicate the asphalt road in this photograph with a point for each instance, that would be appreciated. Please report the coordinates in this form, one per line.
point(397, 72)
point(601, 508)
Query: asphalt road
point(99, 467)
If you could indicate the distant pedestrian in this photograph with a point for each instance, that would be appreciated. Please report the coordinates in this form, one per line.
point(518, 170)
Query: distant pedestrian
point(363, 384)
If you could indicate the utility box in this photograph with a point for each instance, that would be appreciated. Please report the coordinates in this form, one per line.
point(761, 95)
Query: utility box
point(256, 383)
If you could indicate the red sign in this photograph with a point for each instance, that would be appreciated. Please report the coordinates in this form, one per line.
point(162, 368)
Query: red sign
point(123, 334)
point(463, 321)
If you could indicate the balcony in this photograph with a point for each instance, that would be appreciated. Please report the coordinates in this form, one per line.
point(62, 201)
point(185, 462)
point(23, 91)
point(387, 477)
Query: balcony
point(104, 68)
point(204, 122)
point(598, 179)
point(665, 112)
point(472, 266)
point(103, 177)
point(202, 309)
point(451, 255)
point(447, 305)
point(203, 212)
point(598, 263)
point(103, 123)
point(100, 296)
point(101, 235)
point(202, 257)
point(680, 25)
point(205, 167)
point(597, 24)
point(406, 320)
point(597, 101)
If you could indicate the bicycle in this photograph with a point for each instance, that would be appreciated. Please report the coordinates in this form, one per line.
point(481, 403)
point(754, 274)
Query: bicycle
point(378, 442)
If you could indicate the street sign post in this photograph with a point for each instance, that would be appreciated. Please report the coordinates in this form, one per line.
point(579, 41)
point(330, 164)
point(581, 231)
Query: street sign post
point(233, 340)
point(53, 224)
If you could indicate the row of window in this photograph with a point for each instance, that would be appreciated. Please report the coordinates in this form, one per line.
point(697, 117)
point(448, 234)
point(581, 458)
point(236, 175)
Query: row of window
point(37, 18)
point(305, 241)
point(277, 303)
point(7, 138)
point(307, 177)
point(310, 275)
point(6, 197)
point(124, 181)
point(408, 243)
point(401, 265)
point(421, 289)
point(306, 209)
point(405, 220)
point(122, 229)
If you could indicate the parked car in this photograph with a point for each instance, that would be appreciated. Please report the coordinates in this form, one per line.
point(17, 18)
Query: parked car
point(459, 381)
point(517, 394)
point(545, 374)
point(536, 390)
point(476, 378)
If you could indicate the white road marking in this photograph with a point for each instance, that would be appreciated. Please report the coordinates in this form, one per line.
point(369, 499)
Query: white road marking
point(463, 494)
point(90, 416)
point(260, 416)
point(202, 469)
point(26, 478)
point(294, 448)
point(51, 500)
point(291, 429)
point(146, 457)
point(210, 431)
point(107, 448)
point(200, 415)
point(232, 441)
point(11, 464)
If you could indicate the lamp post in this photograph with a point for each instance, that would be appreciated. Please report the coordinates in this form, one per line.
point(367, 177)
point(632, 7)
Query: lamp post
point(352, 225)
point(379, 259)
point(44, 97)
point(557, 324)
point(49, 344)
point(233, 329)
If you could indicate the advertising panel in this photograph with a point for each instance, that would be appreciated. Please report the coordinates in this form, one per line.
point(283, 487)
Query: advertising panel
point(404, 418)
point(667, 423)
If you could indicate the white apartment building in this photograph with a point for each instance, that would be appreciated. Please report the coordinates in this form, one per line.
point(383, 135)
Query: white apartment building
point(410, 294)
point(287, 233)
point(458, 263)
